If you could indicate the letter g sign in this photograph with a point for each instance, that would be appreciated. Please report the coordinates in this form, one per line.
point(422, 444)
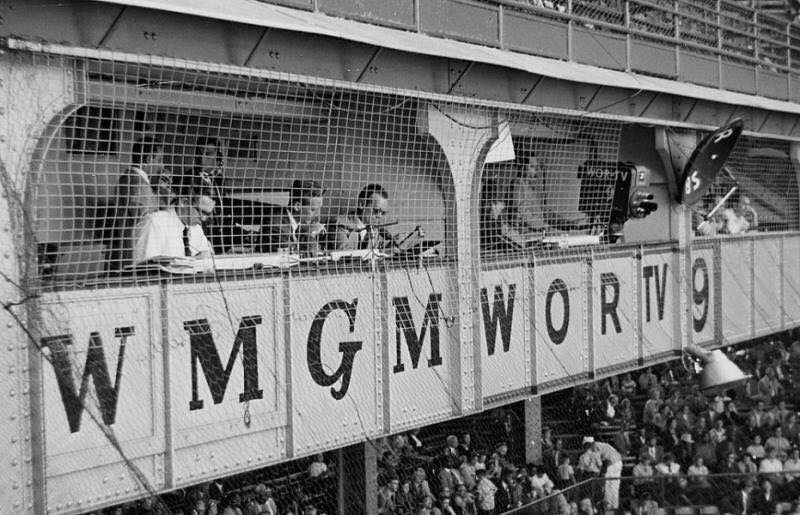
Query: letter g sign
point(348, 349)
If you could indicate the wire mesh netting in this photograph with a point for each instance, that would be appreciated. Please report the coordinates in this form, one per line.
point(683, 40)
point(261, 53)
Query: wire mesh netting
point(248, 209)
point(756, 192)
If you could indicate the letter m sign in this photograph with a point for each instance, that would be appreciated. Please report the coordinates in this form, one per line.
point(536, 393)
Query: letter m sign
point(406, 330)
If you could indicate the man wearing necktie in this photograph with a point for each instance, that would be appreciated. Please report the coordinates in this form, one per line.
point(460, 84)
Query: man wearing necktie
point(176, 232)
point(297, 226)
point(362, 229)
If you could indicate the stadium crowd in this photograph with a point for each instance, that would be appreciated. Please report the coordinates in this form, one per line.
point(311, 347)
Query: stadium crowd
point(660, 440)
point(649, 441)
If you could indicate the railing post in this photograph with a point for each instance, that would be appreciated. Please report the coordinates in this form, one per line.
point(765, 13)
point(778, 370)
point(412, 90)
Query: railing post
point(677, 34)
point(501, 26)
point(756, 36)
point(756, 45)
point(627, 36)
point(719, 43)
point(570, 29)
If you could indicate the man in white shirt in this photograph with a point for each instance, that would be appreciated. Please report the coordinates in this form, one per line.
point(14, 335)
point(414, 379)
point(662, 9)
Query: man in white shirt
point(612, 461)
point(176, 232)
point(772, 465)
point(792, 465)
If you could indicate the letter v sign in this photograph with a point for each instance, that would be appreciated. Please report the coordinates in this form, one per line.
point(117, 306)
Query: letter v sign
point(96, 367)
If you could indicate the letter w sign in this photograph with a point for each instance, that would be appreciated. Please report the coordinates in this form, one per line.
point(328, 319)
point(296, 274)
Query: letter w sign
point(95, 367)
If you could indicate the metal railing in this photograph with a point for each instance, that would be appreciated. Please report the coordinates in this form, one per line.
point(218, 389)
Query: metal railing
point(726, 29)
point(668, 491)
point(729, 32)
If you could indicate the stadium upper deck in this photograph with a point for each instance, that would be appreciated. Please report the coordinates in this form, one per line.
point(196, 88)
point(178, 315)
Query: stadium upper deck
point(507, 138)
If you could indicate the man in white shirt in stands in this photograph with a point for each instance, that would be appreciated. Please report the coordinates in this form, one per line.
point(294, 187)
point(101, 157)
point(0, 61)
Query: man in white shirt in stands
point(612, 462)
point(176, 232)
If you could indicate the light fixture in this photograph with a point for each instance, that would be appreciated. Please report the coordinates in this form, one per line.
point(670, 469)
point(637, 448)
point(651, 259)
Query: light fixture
point(717, 373)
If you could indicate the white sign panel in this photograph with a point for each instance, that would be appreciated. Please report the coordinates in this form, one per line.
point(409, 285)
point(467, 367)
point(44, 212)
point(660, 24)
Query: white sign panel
point(767, 285)
point(337, 395)
point(703, 297)
point(559, 321)
point(422, 333)
point(504, 321)
point(227, 368)
point(102, 372)
point(791, 280)
point(737, 291)
point(615, 312)
point(660, 281)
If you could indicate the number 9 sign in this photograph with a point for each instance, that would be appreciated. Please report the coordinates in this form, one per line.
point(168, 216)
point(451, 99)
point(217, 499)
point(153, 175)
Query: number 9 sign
point(707, 160)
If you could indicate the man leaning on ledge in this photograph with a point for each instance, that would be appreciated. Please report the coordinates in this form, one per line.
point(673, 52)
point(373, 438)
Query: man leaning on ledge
point(177, 232)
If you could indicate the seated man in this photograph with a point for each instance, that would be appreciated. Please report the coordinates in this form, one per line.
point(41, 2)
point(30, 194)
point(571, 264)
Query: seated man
point(297, 226)
point(530, 214)
point(176, 232)
point(365, 227)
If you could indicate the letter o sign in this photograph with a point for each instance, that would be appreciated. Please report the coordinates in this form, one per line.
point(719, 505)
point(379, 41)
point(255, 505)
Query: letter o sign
point(557, 287)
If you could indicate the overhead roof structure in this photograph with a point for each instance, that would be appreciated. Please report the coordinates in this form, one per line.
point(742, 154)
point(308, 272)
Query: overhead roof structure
point(279, 17)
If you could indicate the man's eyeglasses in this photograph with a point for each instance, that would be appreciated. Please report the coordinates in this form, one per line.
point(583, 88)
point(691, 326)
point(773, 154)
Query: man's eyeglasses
point(378, 212)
